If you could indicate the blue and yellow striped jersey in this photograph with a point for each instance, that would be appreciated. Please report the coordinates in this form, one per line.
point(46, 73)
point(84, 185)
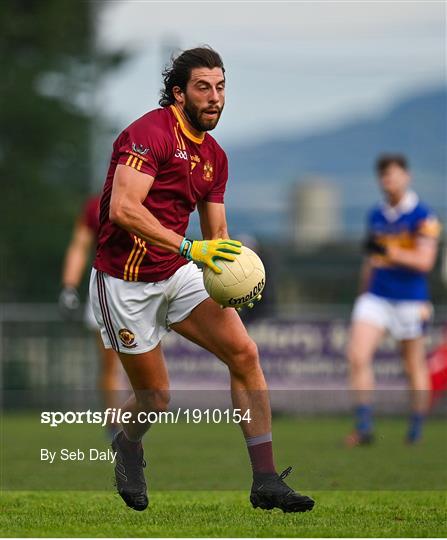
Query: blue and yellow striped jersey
point(402, 225)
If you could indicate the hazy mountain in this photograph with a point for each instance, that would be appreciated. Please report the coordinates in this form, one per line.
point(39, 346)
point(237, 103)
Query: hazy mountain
point(261, 174)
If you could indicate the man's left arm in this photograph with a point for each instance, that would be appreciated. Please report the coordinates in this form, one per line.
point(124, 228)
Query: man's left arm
point(213, 221)
point(422, 257)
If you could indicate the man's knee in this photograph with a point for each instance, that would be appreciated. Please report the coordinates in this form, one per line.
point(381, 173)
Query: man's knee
point(244, 358)
point(357, 357)
point(154, 400)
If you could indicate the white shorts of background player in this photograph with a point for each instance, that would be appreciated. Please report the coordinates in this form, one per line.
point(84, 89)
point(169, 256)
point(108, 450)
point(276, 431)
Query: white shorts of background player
point(403, 319)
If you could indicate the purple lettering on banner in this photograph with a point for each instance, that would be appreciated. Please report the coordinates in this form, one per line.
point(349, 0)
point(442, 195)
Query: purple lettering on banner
point(294, 354)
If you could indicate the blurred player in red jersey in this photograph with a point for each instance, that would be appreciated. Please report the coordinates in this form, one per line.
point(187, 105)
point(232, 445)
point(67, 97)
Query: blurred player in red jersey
point(401, 250)
point(145, 280)
point(83, 241)
point(437, 367)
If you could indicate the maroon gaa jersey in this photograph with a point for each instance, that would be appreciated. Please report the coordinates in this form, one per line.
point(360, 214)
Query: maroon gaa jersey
point(90, 214)
point(186, 169)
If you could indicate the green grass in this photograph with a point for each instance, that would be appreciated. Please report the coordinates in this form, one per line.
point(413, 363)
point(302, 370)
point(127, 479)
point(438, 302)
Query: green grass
point(222, 514)
point(213, 457)
point(199, 480)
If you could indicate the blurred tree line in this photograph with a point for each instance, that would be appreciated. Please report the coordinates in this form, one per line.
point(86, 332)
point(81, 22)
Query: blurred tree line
point(49, 65)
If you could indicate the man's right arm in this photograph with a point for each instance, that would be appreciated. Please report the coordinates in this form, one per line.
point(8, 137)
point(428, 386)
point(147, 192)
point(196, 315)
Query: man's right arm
point(130, 189)
point(77, 255)
point(74, 265)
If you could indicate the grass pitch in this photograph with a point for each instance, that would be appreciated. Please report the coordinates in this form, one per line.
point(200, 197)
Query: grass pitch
point(222, 514)
point(199, 483)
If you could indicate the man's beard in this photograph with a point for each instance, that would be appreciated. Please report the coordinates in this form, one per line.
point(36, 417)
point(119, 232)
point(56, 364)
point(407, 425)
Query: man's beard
point(193, 114)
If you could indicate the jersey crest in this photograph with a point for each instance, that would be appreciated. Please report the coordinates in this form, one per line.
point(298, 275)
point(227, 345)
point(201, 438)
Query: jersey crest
point(208, 171)
point(140, 149)
point(127, 338)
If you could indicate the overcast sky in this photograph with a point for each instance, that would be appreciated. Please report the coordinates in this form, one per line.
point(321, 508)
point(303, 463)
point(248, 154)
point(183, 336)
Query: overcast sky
point(292, 67)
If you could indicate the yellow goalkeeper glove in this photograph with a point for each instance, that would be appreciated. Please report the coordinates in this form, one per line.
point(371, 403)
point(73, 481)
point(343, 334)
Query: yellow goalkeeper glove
point(207, 251)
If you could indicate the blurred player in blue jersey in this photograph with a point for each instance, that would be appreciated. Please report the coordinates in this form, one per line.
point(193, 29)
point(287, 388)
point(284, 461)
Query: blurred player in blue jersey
point(401, 249)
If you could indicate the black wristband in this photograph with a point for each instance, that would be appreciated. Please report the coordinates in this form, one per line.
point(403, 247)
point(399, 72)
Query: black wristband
point(185, 248)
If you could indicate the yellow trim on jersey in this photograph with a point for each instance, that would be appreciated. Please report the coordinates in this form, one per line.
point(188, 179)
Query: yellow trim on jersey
point(402, 240)
point(135, 259)
point(193, 138)
point(129, 259)
point(134, 162)
point(179, 142)
point(137, 267)
point(137, 254)
point(183, 142)
point(134, 267)
point(430, 227)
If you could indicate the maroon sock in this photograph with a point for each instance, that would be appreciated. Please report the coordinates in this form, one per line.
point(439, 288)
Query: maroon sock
point(261, 456)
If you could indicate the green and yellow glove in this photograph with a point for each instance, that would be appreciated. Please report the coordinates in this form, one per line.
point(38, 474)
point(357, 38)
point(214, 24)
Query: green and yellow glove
point(207, 251)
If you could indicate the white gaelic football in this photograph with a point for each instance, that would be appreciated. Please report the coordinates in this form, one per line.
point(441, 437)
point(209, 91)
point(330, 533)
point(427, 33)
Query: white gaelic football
point(240, 282)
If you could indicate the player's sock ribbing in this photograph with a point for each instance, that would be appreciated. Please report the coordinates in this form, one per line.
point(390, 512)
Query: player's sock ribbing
point(363, 419)
point(260, 450)
point(415, 427)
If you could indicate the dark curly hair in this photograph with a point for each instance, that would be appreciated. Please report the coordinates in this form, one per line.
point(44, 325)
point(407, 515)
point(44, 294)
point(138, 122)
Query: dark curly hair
point(385, 160)
point(179, 72)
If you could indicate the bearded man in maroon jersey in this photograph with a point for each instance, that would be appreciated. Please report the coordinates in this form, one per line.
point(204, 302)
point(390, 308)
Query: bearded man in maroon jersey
point(145, 280)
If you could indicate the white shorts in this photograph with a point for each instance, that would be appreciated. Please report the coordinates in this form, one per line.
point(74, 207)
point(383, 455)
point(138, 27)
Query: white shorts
point(403, 319)
point(134, 316)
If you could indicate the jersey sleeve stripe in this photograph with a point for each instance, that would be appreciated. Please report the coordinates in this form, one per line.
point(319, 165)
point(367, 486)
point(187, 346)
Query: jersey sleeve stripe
point(430, 227)
point(134, 162)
